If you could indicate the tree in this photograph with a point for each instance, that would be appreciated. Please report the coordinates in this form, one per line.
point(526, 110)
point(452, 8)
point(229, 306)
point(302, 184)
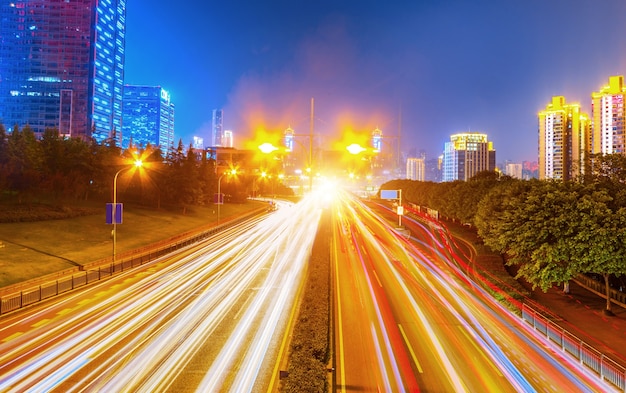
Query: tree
point(538, 231)
point(24, 161)
point(601, 246)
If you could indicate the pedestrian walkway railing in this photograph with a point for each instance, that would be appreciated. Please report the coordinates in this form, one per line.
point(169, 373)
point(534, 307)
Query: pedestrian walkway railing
point(607, 369)
point(24, 294)
point(617, 297)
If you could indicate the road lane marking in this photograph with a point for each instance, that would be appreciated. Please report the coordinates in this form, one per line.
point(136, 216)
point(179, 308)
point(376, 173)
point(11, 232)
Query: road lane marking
point(41, 323)
point(377, 279)
point(408, 344)
point(66, 311)
point(11, 337)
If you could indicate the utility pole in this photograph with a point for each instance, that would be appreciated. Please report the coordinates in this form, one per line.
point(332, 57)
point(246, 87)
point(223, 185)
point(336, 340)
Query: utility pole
point(311, 148)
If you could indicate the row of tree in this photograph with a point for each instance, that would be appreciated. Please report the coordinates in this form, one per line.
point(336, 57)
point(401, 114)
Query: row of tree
point(66, 169)
point(551, 230)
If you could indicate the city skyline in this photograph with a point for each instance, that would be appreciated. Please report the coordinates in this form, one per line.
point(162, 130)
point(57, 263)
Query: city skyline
point(429, 69)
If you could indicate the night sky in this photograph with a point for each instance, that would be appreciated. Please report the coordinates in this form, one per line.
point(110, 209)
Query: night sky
point(423, 69)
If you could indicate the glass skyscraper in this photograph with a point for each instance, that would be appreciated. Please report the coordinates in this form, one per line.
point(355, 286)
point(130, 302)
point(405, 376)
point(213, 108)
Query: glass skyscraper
point(218, 127)
point(62, 66)
point(148, 117)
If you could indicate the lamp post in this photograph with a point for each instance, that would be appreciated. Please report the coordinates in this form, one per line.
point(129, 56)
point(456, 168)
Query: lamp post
point(267, 148)
point(219, 191)
point(137, 164)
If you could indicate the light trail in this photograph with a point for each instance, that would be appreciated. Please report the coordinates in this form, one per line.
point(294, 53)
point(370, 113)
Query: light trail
point(143, 329)
point(432, 301)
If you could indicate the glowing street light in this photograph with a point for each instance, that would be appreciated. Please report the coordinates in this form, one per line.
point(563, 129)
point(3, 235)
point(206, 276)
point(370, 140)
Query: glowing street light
point(355, 148)
point(267, 148)
point(137, 164)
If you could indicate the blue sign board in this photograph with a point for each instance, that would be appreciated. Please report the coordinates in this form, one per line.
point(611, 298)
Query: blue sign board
point(114, 216)
point(389, 194)
point(218, 199)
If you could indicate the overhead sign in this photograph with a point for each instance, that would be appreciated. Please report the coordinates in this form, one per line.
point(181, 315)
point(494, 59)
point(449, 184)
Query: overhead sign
point(389, 194)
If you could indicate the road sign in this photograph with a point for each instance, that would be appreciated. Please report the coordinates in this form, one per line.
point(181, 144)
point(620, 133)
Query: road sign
point(117, 217)
point(218, 199)
point(389, 194)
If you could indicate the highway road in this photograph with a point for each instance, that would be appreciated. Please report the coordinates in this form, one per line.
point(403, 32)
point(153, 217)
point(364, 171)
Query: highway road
point(212, 318)
point(407, 319)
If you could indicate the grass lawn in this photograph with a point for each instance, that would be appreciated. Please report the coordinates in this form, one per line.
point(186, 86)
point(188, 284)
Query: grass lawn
point(33, 249)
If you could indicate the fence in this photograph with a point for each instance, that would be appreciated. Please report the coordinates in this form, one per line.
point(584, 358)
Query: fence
point(24, 294)
point(603, 366)
point(617, 297)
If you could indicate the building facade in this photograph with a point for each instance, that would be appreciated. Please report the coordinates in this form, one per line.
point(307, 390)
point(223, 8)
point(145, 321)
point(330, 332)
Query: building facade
point(217, 127)
point(62, 66)
point(609, 124)
point(148, 117)
point(514, 170)
point(467, 154)
point(416, 169)
point(564, 140)
point(229, 139)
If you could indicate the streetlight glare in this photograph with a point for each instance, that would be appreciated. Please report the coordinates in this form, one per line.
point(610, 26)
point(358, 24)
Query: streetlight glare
point(267, 148)
point(355, 148)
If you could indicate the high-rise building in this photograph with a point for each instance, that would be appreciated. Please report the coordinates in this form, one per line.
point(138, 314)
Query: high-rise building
point(218, 127)
point(467, 154)
point(62, 66)
point(416, 169)
point(564, 140)
point(148, 117)
point(228, 140)
point(609, 118)
point(514, 170)
point(198, 143)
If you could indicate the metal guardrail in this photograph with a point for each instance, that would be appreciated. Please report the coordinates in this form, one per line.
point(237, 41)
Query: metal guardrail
point(607, 369)
point(23, 294)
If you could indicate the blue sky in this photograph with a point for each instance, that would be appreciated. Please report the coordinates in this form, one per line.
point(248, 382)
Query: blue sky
point(423, 69)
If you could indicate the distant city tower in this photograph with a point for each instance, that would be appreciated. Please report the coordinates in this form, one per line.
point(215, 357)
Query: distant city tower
point(218, 127)
point(377, 140)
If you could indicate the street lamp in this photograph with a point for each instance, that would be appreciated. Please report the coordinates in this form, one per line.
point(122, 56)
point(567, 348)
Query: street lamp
point(267, 148)
point(219, 191)
point(137, 164)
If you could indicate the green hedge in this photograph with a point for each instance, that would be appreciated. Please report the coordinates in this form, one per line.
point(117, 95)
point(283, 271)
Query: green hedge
point(310, 344)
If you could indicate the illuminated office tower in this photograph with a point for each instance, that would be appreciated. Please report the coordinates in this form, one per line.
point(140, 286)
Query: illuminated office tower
point(609, 125)
point(148, 117)
point(198, 142)
point(228, 139)
point(564, 140)
point(415, 169)
point(467, 154)
point(62, 66)
point(218, 127)
point(377, 140)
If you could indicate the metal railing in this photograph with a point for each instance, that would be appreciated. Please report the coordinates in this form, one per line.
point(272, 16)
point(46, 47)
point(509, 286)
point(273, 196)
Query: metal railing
point(607, 369)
